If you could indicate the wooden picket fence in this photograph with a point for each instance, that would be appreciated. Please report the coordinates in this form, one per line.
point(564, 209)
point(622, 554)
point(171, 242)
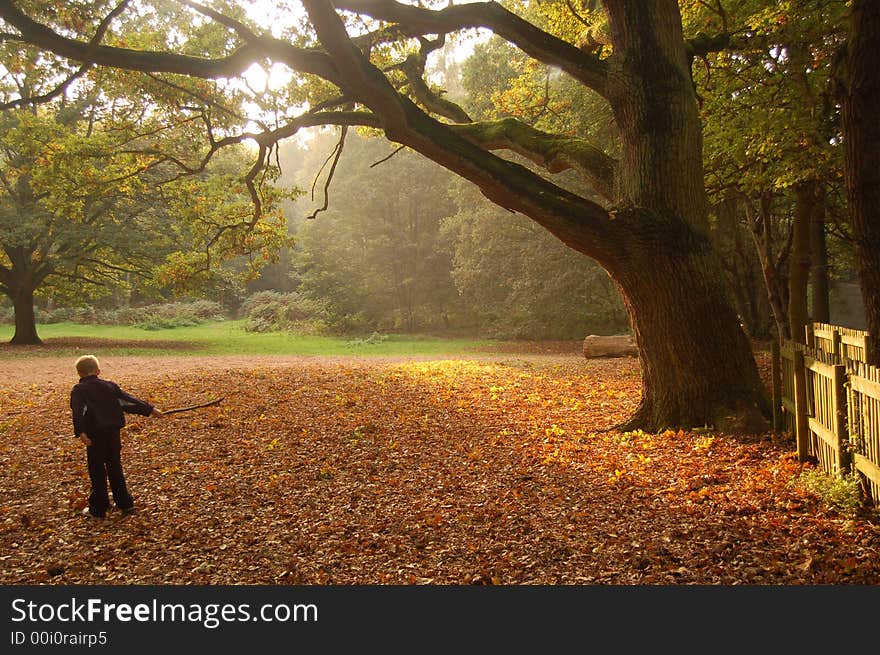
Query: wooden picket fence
point(841, 342)
point(829, 399)
point(863, 414)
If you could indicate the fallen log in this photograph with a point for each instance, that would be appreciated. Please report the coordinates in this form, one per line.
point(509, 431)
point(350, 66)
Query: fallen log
point(616, 345)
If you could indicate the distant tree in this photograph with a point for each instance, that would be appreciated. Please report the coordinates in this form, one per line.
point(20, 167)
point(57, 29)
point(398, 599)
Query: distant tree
point(68, 211)
point(434, 255)
point(518, 280)
point(82, 206)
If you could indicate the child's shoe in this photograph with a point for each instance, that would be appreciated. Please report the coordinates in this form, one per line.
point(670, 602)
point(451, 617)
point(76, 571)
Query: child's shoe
point(87, 512)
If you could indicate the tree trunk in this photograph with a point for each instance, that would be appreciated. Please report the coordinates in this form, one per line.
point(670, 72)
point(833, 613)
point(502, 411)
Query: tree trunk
point(860, 104)
point(25, 321)
point(799, 268)
point(819, 302)
point(697, 364)
point(772, 266)
point(742, 268)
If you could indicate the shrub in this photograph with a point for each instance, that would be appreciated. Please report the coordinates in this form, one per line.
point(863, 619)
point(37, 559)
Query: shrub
point(84, 315)
point(150, 317)
point(58, 315)
point(167, 315)
point(840, 493)
point(165, 323)
point(268, 311)
point(128, 315)
point(197, 310)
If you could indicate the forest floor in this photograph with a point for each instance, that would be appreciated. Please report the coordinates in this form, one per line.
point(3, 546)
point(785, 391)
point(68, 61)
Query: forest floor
point(496, 468)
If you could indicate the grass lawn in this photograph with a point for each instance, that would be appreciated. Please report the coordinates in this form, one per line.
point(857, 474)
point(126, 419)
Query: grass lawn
point(218, 338)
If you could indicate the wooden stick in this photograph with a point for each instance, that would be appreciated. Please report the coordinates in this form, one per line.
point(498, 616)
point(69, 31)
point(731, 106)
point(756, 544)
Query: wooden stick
point(191, 407)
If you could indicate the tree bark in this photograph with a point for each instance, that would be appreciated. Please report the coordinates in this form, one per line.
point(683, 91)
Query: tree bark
point(19, 281)
point(860, 105)
point(696, 369)
point(799, 268)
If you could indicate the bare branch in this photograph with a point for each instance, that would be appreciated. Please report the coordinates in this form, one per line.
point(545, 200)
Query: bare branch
point(414, 69)
point(337, 153)
point(384, 159)
point(259, 164)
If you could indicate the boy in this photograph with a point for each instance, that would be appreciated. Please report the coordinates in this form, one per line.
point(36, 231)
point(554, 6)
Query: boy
point(98, 408)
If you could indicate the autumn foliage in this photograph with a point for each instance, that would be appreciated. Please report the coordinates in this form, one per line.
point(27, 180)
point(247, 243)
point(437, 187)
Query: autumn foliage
point(495, 469)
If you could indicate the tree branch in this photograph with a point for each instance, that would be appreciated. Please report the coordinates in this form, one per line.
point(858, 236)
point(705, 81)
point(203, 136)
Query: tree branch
point(238, 27)
point(192, 407)
point(62, 86)
point(553, 152)
point(414, 68)
point(417, 21)
point(506, 183)
point(303, 60)
point(703, 44)
point(342, 63)
point(207, 101)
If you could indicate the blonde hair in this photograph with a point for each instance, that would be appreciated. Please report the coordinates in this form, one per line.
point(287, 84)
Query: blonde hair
point(87, 365)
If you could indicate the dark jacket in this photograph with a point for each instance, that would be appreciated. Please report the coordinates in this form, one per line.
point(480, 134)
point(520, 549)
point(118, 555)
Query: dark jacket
point(100, 405)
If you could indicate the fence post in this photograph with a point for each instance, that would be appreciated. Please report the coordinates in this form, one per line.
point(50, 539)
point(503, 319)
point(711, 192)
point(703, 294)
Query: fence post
point(801, 416)
point(776, 372)
point(853, 409)
point(840, 420)
point(835, 344)
point(867, 347)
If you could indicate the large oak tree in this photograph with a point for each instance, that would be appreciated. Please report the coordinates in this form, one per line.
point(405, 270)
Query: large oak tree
point(365, 61)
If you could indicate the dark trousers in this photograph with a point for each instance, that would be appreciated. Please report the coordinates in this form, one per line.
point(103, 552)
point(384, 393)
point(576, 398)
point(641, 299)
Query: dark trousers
point(105, 465)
